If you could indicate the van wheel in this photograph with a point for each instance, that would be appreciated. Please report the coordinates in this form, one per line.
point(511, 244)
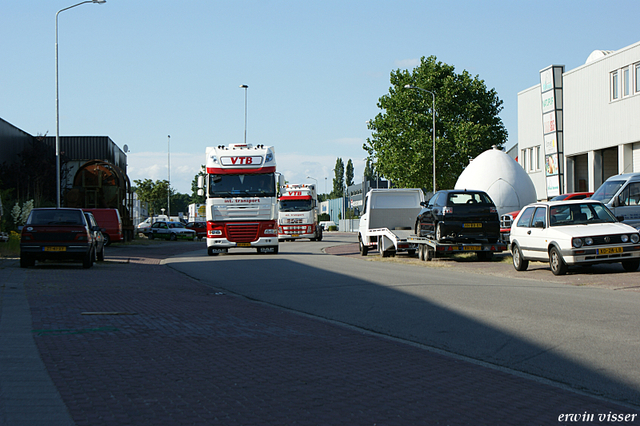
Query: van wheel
point(107, 240)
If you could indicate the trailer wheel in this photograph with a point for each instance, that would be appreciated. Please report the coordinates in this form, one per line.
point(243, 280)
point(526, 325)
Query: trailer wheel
point(421, 252)
point(428, 253)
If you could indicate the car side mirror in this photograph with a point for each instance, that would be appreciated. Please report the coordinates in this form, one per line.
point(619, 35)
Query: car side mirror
point(539, 224)
point(423, 203)
point(620, 218)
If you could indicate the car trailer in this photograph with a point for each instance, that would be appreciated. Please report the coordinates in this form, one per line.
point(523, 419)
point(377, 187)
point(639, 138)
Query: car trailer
point(388, 242)
point(429, 248)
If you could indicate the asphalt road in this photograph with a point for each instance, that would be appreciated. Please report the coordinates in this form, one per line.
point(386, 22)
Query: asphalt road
point(583, 336)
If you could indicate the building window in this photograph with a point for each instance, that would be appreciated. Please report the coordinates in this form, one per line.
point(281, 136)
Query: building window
point(637, 78)
point(537, 156)
point(530, 159)
point(614, 85)
point(626, 83)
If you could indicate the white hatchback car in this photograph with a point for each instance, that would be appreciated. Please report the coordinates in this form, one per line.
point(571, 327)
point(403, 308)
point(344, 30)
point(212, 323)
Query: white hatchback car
point(574, 232)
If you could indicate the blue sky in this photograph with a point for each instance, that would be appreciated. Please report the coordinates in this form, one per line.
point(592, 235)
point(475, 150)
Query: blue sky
point(140, 70)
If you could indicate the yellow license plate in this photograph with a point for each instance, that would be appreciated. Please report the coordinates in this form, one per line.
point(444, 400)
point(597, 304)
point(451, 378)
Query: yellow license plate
point(55, 249)
point(611, 250)
point(472, 248)
point(472, 225)
point(244, 244)
point(295, 235)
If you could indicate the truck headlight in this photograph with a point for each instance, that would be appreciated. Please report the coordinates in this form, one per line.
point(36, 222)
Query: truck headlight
point(270, 231)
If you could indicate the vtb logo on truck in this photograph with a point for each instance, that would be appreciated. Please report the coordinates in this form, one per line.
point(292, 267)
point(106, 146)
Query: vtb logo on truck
point(241, 161)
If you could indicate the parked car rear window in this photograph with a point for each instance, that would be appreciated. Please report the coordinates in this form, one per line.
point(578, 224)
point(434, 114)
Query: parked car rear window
point(468, 198)
point(55, 217)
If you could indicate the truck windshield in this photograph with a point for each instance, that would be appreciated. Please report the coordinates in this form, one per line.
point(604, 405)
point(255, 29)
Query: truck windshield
point(251, 185)
point(295, 205)
point(607, 190)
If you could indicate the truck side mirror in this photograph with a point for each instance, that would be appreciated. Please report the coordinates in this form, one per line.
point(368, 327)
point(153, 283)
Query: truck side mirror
point(200, 185)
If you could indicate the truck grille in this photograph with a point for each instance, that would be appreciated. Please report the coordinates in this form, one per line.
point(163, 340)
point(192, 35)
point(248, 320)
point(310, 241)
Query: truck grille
point(243, 233)
point(505, 221)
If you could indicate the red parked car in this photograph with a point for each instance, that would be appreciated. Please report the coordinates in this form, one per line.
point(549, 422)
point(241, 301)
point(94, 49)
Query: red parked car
point(200, 228)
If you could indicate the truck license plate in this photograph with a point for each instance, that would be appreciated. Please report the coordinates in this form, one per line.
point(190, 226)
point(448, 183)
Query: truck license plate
point(610, 250)
point(55, 248)
point(244, 244)
point(472, 225)
point(295, 235)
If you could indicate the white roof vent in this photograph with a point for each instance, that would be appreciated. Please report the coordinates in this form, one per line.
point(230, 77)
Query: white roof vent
point(598, 54)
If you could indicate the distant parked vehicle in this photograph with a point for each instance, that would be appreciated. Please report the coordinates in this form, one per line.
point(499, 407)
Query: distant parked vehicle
point(199, 227)
point(621, 194)
point(459, 215)
point(95, 229)
point(109, 220)
point(57, 234)
point(171, 231)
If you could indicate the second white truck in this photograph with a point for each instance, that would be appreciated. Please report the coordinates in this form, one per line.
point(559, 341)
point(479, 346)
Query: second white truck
point(298, 213)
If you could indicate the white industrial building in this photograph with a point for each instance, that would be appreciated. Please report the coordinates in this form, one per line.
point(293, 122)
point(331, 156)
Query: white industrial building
point(579, 127)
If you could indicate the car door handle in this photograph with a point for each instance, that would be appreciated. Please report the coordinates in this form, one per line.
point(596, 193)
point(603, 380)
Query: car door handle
point(529, 232)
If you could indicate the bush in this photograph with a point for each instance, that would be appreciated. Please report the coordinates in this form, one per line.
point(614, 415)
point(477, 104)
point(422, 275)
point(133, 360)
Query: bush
point(12, 247)
point(332, 228)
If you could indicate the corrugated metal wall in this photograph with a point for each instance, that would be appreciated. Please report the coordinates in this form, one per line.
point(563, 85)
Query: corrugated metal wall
point(91, 148)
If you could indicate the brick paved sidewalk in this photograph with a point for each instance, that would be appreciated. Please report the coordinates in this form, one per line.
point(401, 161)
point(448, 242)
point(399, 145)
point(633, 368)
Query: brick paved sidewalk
point(132, 342)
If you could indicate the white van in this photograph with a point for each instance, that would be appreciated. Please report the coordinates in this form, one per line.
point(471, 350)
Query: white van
point(621, 194)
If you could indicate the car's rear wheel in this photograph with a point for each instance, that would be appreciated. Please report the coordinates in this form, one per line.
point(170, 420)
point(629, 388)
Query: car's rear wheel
point(519, 263)
point(558, 267)
point(26, 261)
point(107, 240)
point(173, 237)
point(87, 261)
point(631, 265)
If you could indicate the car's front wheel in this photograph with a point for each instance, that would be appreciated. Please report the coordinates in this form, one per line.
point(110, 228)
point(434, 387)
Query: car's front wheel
point(519, 263)
point(631, 265)
point(558, 267)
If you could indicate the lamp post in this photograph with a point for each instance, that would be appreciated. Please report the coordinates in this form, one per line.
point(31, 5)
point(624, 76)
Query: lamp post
point(409, 86)
point(245, 87)
point(169, 176)
point(58, 101)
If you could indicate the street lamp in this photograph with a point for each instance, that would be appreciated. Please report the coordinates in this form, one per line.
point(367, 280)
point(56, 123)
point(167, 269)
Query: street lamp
point(169, 176)
point(58, 101)
point(309, 177)
point(245, 87)
point(409, 86)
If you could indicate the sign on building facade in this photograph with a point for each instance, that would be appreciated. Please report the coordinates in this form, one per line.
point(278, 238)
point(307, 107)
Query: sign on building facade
point(551, 93)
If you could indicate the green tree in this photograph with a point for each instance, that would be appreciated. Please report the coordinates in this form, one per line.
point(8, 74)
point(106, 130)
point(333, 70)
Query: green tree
point(467, 124)
point(338, 179)
point(369, 172)
point(195, 198)
point(349, 173)
point(154, 193)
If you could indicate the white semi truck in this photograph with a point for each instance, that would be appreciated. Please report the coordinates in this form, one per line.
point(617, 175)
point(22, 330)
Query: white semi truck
point(298, 213)
point(241, 198)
